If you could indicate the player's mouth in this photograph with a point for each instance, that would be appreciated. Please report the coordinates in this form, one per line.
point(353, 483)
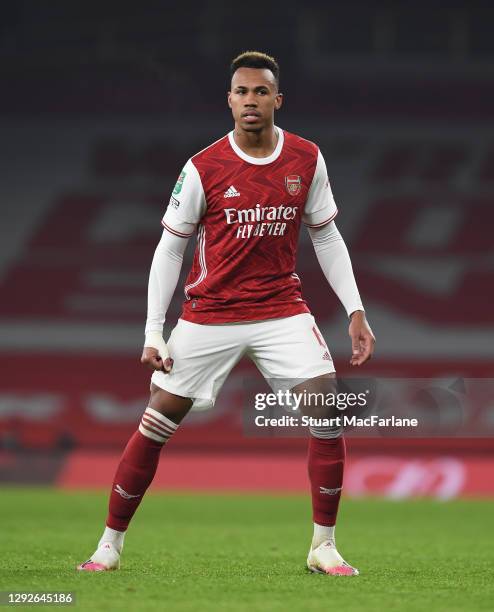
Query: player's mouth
point(251, 116)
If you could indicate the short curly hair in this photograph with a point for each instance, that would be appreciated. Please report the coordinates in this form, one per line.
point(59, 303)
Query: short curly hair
point(256, 59)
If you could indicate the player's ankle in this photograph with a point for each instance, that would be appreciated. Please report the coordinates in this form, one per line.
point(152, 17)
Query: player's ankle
point(321, 534)
point(114, 537)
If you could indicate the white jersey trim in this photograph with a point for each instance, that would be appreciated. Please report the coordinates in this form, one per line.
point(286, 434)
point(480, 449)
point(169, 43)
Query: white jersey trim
point(202, 261)
point(259, 161)
point(324, 222)
point(176, 232)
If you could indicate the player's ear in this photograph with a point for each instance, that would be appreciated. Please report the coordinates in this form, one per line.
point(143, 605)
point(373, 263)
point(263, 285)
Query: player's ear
point(278, 101)
point(228, 98)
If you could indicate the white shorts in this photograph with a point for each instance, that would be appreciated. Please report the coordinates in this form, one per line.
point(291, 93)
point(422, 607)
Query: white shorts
point(286, 351)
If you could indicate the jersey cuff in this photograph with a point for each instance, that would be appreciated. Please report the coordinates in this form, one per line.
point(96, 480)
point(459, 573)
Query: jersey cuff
point(325, 222)
point(175, 232)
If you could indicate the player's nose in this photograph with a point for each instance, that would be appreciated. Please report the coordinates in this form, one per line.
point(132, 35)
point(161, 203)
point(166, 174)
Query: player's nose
point(250, 101)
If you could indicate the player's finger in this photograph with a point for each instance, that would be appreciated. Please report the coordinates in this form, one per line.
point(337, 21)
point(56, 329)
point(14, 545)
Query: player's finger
point(167, 364)
point(367, 342)
point(155, 362)
point(356, 350)
point(355, 345)
point(367, 347)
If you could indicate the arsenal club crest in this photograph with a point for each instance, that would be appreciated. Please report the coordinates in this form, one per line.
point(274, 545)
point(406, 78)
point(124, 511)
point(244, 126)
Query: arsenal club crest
point(293, 184)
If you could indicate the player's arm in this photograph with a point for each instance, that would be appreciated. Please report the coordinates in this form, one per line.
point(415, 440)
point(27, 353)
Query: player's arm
point(163, 279)
point(185, 209)
point(334, 259)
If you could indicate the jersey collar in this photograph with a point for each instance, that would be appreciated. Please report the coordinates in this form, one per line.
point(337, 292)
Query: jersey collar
point(259, 161)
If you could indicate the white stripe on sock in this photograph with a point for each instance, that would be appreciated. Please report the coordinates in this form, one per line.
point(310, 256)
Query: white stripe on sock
point(161, 417)
point(162, 426)
point(150, 434)
point(325, 433)
point(156, 426)
point(150, 425)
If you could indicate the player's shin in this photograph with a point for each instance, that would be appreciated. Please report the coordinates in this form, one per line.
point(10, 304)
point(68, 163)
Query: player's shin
point(326, 461)
point(136, 470)
point(134, 474)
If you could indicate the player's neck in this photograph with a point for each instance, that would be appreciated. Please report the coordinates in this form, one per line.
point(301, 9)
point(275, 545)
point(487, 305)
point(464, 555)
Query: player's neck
point(256, 144)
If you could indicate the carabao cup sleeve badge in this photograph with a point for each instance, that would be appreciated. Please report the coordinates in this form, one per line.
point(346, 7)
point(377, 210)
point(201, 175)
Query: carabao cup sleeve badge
point(293, 184)
point(178, 185)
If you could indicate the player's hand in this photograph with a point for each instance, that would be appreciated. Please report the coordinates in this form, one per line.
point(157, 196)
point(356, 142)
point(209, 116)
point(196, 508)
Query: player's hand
point(363, 339)
point(155, 353)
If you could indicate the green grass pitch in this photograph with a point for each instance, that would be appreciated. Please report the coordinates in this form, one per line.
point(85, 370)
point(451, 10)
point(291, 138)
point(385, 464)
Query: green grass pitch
point(247, 553)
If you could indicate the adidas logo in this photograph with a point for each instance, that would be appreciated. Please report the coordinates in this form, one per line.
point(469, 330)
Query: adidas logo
point(231, 192)
point(326, 356)
point(123, 493)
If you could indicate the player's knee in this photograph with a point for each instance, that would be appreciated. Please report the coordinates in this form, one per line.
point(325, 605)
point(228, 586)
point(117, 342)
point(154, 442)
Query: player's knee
point(316, 397)
point(172, 406)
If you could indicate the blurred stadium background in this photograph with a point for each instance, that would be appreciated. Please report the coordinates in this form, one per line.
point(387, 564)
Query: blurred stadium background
point(100, 108)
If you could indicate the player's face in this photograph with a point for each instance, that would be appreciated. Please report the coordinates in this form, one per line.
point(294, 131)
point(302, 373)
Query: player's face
point(253, 98)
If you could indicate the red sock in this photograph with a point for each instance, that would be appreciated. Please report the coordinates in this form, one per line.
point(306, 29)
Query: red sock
point(326, 461)
point(137, 467)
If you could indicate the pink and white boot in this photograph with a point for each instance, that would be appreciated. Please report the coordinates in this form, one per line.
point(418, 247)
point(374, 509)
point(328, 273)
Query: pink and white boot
point(325, 559)
point(105, 558)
